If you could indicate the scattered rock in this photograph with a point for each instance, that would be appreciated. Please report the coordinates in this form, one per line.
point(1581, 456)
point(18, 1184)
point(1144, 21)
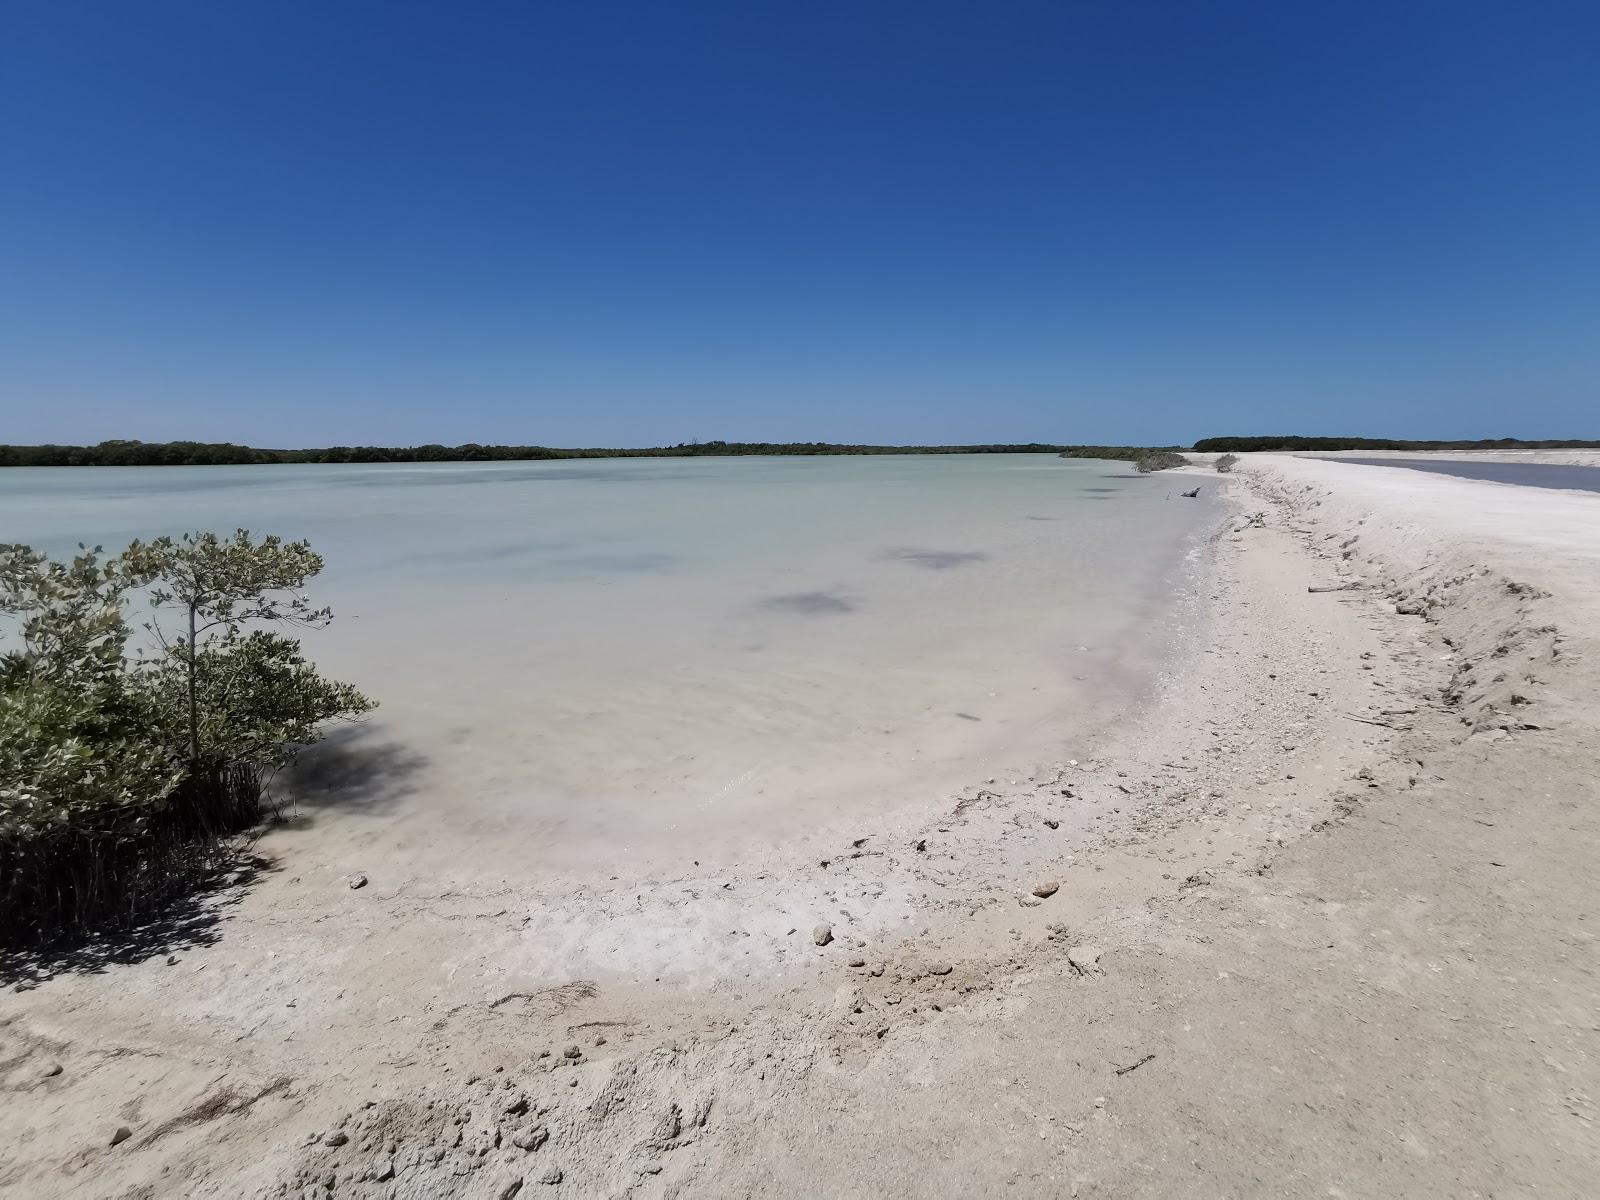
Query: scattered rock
point(382, 1170)
point(940, 968)
point(573, 1052)
point(1084, 959)
point(172, 960)
point(1046, 889)
point(822, 934)
point(531, 1138)
point(858, 961)
point(1052, 823)
point(551, 1175)
point(357, 881)
point(122, 1134)
point(509, 1188)
point(668, 1127)
point(51, 1071)
point(337, 1138)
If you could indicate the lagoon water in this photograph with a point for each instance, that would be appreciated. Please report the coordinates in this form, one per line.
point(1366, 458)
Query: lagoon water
point(582, 663)
point(1522, 474)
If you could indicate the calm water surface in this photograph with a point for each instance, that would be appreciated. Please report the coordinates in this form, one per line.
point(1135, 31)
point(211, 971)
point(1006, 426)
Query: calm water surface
point(584, 659)
point(1544, 475)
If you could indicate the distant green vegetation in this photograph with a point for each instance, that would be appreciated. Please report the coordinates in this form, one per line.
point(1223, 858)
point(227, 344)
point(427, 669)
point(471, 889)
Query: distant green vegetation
point(125, 763)
point(210, 454)
point(1116, 453)
point(1246, 444)
point(186, 454)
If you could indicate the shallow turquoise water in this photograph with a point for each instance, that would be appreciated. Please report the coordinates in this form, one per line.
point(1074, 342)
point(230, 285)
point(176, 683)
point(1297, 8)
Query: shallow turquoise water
point(593, 656)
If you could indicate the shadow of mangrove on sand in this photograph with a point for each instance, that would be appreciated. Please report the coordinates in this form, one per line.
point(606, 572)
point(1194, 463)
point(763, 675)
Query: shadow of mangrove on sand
point(189, 919)
point(354, 769)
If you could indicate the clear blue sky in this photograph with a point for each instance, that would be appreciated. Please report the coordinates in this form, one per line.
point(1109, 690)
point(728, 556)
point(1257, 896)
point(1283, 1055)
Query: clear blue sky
point(298, 224)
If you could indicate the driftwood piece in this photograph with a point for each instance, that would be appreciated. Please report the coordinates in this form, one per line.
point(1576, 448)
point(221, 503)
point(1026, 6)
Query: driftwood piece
point(1379, 724)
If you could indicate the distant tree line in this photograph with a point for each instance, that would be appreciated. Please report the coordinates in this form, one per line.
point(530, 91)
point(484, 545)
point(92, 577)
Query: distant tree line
point(1244, 444)
point(186, 454)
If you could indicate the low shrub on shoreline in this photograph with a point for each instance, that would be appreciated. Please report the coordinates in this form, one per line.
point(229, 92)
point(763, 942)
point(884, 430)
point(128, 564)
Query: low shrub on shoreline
point(1159, 460)
point(1226, 463)
point(123, 767)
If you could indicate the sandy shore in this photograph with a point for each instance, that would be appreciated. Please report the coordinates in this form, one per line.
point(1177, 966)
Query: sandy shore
point(1321, 926)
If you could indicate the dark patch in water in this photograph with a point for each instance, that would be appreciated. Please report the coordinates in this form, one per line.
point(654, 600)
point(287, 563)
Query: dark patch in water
point(809, 604)
point(1099, 489)
point(968, 717)
point(937, 560)
point(1041, 518)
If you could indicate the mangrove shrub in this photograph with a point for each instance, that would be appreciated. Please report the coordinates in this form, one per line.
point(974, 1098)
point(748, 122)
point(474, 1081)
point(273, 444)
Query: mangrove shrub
point(124, 758)
point(1159, 460)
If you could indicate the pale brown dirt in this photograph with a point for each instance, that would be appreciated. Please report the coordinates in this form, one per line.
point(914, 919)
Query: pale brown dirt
point(1330, 899)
